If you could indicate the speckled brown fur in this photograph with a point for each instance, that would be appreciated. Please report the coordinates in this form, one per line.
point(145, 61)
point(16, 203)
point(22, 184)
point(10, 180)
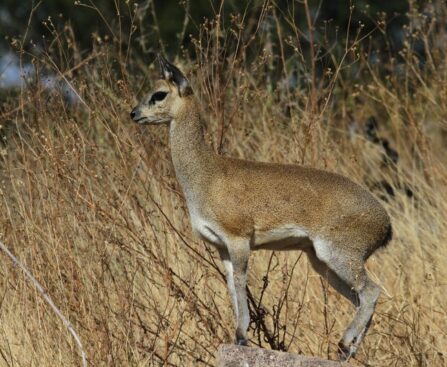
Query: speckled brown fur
point(240, 205)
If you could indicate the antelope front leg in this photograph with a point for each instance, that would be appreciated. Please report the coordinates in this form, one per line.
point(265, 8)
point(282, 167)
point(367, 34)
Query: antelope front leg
point(235, 259)
point(225, 257)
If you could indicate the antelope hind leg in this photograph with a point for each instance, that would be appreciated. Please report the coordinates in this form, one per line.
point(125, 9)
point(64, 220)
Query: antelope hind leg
point(351, 271)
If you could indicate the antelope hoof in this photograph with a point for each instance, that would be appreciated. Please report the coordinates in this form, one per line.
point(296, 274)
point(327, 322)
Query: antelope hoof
point(243, 342)
point(345, 353)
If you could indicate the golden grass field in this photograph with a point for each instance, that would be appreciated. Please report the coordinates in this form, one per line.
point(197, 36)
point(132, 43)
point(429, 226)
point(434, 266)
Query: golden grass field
point(91, 206)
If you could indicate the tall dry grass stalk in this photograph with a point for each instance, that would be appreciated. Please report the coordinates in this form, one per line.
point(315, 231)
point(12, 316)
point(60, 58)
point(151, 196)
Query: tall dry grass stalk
point(91, 207)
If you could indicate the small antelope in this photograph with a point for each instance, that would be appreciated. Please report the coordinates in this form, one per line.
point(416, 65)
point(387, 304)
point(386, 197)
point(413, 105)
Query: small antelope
point(240, 206)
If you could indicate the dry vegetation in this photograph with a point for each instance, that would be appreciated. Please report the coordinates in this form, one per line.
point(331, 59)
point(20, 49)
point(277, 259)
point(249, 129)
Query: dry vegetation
point(90, 204)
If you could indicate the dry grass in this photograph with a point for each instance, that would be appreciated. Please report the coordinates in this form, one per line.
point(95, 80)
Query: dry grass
point(91, 206)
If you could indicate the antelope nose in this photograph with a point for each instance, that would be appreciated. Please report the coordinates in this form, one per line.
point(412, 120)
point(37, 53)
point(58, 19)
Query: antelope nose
point(132, 114)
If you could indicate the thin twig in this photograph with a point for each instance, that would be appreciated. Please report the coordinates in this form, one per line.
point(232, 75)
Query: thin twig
point(48, 299)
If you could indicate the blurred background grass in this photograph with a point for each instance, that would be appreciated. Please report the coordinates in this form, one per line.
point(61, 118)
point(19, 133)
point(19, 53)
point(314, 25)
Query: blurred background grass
point(91, 206)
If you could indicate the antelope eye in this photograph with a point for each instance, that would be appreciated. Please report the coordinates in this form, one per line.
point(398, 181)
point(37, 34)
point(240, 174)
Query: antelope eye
point(157, 96)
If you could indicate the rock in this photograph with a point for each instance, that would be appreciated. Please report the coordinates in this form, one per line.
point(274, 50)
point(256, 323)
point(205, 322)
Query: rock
point(239, 356)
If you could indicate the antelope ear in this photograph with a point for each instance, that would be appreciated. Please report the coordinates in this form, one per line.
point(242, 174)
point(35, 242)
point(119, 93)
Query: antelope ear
point(172, 74)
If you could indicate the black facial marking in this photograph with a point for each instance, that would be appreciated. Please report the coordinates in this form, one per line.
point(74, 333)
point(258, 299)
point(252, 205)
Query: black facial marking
point(157, 96)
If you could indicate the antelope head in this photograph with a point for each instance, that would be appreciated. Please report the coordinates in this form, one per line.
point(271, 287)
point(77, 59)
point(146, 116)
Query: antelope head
point(169, 92)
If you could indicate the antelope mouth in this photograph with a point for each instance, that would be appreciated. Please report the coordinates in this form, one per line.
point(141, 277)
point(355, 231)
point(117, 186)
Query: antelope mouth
point(148, 121)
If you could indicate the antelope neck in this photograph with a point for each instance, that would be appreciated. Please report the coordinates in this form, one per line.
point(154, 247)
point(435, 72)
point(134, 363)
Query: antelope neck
point(191, 156)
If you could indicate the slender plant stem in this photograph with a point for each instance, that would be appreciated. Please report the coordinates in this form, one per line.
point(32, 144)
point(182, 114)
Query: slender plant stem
point(48, 299)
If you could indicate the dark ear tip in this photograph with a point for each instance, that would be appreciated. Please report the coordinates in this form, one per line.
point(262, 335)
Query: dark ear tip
point(164, 66)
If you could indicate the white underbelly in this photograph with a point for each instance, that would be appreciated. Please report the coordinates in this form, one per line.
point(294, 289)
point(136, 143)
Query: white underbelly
point(288, 237)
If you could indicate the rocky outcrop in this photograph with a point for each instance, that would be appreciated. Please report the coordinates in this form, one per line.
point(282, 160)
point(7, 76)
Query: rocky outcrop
point(238, 356)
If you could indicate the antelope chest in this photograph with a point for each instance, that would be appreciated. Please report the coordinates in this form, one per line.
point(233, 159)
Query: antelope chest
point(206, 228)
